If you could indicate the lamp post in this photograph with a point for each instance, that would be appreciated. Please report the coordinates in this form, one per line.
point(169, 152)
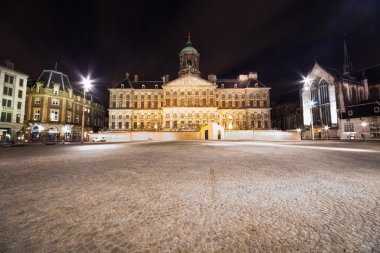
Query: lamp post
point(86, 87)
point(307, 84)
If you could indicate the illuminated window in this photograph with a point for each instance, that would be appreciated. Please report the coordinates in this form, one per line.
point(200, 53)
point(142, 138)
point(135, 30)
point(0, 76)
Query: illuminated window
point(36, 114)
point(68, 117)
point(54, 115)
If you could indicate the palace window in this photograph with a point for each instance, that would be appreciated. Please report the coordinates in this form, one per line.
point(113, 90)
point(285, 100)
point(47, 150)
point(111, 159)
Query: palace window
point(19, 105)
point(36, 114)
point(68, 117)
point(21, 83)
point(55, 102)
point(54, 115)
point(37, 100)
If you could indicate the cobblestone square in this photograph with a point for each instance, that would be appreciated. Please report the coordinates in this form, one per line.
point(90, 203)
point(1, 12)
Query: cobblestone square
point(191, 196)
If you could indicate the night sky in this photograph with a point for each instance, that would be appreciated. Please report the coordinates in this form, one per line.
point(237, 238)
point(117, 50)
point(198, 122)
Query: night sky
point(278, 39)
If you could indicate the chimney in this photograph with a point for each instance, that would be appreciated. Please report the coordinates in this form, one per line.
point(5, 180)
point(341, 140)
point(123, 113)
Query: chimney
point(212, 78)
point(127, 76)
point(136, 78)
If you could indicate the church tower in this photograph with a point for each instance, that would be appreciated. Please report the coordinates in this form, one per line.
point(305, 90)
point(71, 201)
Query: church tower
point(189, 60)
point(347, 65)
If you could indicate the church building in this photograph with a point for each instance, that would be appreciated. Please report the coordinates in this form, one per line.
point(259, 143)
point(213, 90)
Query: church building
point(189, 102)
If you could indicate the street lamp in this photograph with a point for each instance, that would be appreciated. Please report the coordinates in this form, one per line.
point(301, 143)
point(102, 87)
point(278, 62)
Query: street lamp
point(307, 85)
point(326, 132)
point(86, 87)
point(312, 103)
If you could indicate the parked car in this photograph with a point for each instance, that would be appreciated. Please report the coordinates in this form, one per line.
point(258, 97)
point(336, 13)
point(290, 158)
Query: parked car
point(98, 139)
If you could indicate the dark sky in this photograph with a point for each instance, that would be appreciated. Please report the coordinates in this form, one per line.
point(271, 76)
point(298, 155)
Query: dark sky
point(278, 39)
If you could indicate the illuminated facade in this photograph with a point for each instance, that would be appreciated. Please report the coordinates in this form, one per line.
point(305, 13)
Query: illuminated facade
point(328, 93)
point(12, 97)
point(189, 102)
point(54, 109)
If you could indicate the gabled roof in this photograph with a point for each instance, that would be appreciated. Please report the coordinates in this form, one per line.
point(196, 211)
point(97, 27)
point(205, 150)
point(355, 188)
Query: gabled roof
point(352, 77)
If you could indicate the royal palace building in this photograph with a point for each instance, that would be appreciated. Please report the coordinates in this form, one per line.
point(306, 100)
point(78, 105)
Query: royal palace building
point(54, 109)
point(189, 102)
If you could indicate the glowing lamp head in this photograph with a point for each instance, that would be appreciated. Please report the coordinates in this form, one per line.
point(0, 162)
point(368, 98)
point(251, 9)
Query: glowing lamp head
point(312, 103)
point(87, 83)
point(298, 130)
point(307, 80)
point(326, 128)
point(364, 124)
